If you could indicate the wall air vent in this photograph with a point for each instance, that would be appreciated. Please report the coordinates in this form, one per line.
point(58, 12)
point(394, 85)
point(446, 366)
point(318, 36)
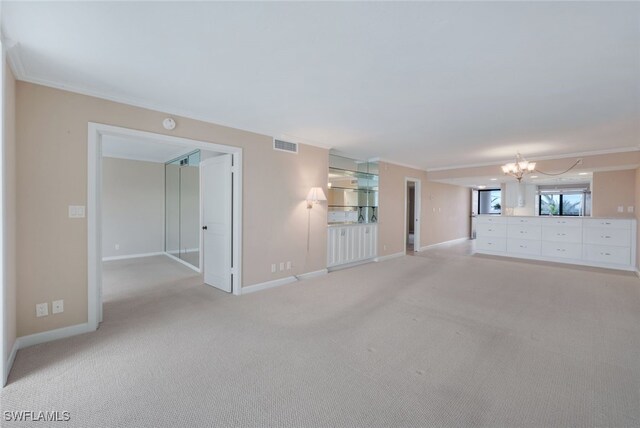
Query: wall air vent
point(285, 146)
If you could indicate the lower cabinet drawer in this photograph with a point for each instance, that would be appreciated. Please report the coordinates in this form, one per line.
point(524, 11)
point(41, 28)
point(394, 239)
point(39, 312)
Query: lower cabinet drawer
point(562, 234)
point(492, 230)
point(562, 250)
point(608, 237)
point(491, 244)
point(523, 246)
point(608, 254)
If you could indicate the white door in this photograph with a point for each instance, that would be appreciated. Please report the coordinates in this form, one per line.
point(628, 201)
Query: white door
point(216, 186)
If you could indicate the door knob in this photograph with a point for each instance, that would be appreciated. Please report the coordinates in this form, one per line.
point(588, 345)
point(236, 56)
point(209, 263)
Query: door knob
point(204, 227)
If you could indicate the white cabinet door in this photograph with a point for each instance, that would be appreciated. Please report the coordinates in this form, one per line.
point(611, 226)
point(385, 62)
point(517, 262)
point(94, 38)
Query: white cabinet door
point(333, 248)
point(367, 242)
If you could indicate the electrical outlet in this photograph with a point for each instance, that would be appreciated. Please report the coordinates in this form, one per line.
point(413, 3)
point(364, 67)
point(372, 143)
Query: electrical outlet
point(76, 211)
point(630, 209)
point(117, 246)
point(42, 310)
point(281, 266)
point(620, 209)
point(273, 268)
point(288, 265)
point(384, 247)
point(57, 306)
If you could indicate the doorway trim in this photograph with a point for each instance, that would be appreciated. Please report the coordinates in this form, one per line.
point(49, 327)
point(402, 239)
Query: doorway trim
point(94, 205)
point(417, 210)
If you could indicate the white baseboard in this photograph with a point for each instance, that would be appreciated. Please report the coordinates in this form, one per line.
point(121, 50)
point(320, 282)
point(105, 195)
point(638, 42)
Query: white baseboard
point(283, 281)
point(48, 336)
point(131, 256)
point(350, 265)
point(453, 241)
point(268, 284)
point(313, 274)
point(10, 360)
point(390, 256)
point(189, 265)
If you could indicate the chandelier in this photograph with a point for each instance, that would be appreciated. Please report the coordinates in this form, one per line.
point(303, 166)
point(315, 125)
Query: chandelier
point(519, 168)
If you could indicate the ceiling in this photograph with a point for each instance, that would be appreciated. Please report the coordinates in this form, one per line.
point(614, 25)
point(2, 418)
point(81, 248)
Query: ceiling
point(149, 151)
point(489, 182)
point(429, 84)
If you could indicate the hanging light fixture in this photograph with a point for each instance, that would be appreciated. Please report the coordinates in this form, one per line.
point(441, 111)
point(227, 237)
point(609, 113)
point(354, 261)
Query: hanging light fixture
point(519, 168)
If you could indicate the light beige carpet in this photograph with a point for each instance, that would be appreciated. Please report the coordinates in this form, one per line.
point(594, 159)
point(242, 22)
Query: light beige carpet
point(437, 339)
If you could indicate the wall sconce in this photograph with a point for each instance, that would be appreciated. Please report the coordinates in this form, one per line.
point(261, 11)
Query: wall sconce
point(314, 196)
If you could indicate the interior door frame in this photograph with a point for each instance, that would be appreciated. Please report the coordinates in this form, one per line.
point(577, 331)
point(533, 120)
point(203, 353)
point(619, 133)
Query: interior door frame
point(417, 210)
point(94, 205)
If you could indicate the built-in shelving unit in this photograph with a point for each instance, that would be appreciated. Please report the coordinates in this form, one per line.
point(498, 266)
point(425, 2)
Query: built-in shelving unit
point(352, 211)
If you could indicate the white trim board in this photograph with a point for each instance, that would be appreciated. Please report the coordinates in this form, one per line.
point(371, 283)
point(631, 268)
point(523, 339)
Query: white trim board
point(19, 71)
point(94, 177)
point(390, 256)
point(417, 211)
point(132, 256)
point(313, 274)
point(48, 336)
point(439, 244)
point(179, 260)
point(269, 284)
point(9, 362)
point(44, 337)
point(283, 281)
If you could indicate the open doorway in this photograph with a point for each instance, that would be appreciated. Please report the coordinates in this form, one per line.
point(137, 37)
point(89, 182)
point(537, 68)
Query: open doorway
point(412, 215)
point(150, 209)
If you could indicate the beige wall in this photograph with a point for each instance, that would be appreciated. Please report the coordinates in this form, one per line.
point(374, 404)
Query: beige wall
point(445, 210)
point(52, 174)
point(612, 189)
point(447, 215)
point(9, 138)
point(637, 195)
point(132, 207)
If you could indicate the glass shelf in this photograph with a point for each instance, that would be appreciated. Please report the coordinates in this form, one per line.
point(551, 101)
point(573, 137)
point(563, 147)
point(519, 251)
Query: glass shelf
point(352, 191)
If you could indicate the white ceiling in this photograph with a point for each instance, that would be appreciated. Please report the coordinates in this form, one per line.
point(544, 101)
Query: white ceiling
point(537, 178)
point(431, 84)
point(149, 151)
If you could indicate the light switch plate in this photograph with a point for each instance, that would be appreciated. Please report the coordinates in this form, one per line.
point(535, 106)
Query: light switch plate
point(42, 310)
point(273, 268)
point(76, 211)
point(281, 266)
point(57, 306)
point(630, 209)
point(620, 209)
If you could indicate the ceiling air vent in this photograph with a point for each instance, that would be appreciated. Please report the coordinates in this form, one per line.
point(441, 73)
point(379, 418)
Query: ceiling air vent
point(285, 146)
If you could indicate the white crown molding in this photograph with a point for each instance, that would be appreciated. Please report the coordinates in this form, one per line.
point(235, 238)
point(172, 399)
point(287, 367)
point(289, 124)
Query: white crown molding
point(541, 158)
point(20, 73)
point(405, 165)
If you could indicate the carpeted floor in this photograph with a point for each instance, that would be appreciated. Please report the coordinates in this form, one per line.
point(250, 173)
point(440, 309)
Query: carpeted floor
point(441, 338)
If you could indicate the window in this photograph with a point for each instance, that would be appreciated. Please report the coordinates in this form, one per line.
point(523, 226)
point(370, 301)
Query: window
point(564, 204)
point(490, 201)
